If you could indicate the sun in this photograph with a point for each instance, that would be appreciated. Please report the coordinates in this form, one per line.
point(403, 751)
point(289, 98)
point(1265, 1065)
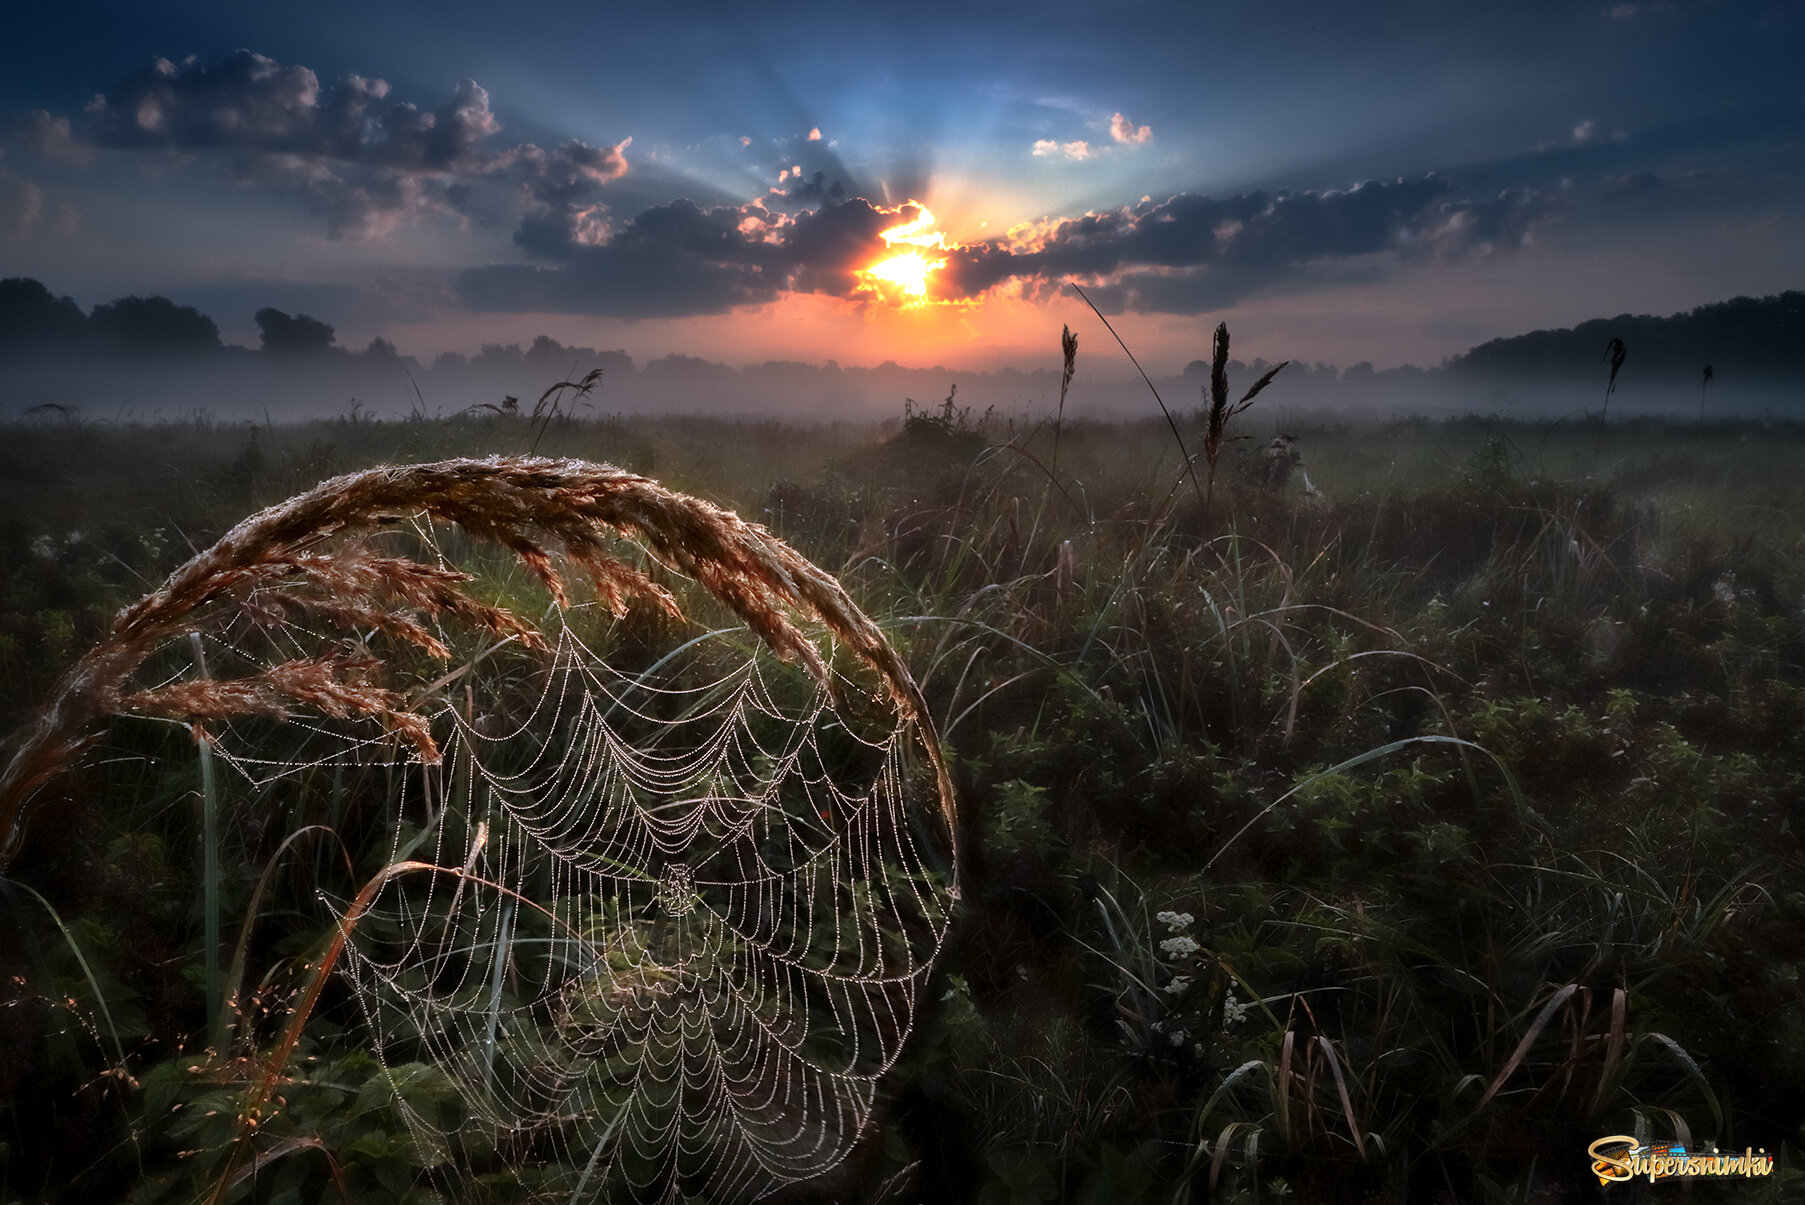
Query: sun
point(907, 271)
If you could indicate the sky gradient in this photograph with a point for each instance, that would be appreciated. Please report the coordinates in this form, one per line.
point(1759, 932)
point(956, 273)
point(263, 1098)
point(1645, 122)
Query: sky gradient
point(1389, 182)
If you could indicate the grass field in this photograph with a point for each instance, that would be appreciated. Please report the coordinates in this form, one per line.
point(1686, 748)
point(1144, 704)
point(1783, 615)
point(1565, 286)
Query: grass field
point(1392, 839)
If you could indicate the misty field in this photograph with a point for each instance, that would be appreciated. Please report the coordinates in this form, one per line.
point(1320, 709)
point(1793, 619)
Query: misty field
point(1417, 810)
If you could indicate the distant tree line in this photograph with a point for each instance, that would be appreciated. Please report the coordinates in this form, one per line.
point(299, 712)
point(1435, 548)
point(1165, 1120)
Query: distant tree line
point(1749, 338)
point(1754, 349)
point(37, 324)
point(34, 322)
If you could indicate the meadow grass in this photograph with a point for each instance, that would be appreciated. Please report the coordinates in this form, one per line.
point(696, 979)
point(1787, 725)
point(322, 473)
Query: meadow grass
point(1388, 844)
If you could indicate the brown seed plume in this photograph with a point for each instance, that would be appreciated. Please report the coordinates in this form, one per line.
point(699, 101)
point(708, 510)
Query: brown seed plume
point(1219, 410)
point(273, 564)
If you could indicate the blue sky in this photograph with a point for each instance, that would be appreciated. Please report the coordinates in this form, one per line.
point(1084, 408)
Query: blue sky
point(1388, 182)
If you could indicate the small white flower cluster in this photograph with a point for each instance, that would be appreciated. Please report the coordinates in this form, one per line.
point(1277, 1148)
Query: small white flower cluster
point(48, 547)
point(1178, 947)
point(1233, 1011)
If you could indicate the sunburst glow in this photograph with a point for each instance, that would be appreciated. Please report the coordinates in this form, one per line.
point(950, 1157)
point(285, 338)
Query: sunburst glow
point(919, 233)
point(908, 270)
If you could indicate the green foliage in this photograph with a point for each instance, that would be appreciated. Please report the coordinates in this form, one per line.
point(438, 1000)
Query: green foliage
point(1474, 794)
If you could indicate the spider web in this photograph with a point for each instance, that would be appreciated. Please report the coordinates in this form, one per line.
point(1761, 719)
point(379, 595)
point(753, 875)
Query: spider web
point(663, 927)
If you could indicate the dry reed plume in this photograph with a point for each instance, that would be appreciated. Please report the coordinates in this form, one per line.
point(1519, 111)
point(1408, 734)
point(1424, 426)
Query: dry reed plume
point(1614, 353)
point(534, 507)
point(1068, 348)
point(1215, 431)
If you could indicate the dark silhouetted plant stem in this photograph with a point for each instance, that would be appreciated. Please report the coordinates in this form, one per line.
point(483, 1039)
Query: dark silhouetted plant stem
point(1189, 465)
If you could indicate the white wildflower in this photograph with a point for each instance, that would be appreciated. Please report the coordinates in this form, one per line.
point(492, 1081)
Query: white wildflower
point(1174, 921)
point(1178, 985)
point(1177, 1037)
point(1178, 947)
point(1233, 1011)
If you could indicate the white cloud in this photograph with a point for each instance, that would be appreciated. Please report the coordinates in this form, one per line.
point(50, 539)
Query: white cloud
point(1584, 133)
point(1079, 149)
point(1123, 130)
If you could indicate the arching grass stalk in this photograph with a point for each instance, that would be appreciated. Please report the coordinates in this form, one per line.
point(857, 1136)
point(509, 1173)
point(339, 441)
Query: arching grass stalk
point(272, 565)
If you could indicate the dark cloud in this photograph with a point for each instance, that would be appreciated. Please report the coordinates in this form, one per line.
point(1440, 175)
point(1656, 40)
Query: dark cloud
point(826, 247)
point(1186, 254)
point(1455, 230)
point(356, 203)
point(562, 183)
point(1194, 291)
point(1190, 253)
point(44, 134)
point(1299, 227)
point(680, 259)
point(809, 172)
point(1243, 235)
point(365, 162)
point(670, 260)
point(360, 160)
point(247, 101)
point(807, 194)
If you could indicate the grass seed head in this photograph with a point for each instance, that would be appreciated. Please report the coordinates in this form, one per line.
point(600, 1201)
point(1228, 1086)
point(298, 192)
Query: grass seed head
point(273, 564)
